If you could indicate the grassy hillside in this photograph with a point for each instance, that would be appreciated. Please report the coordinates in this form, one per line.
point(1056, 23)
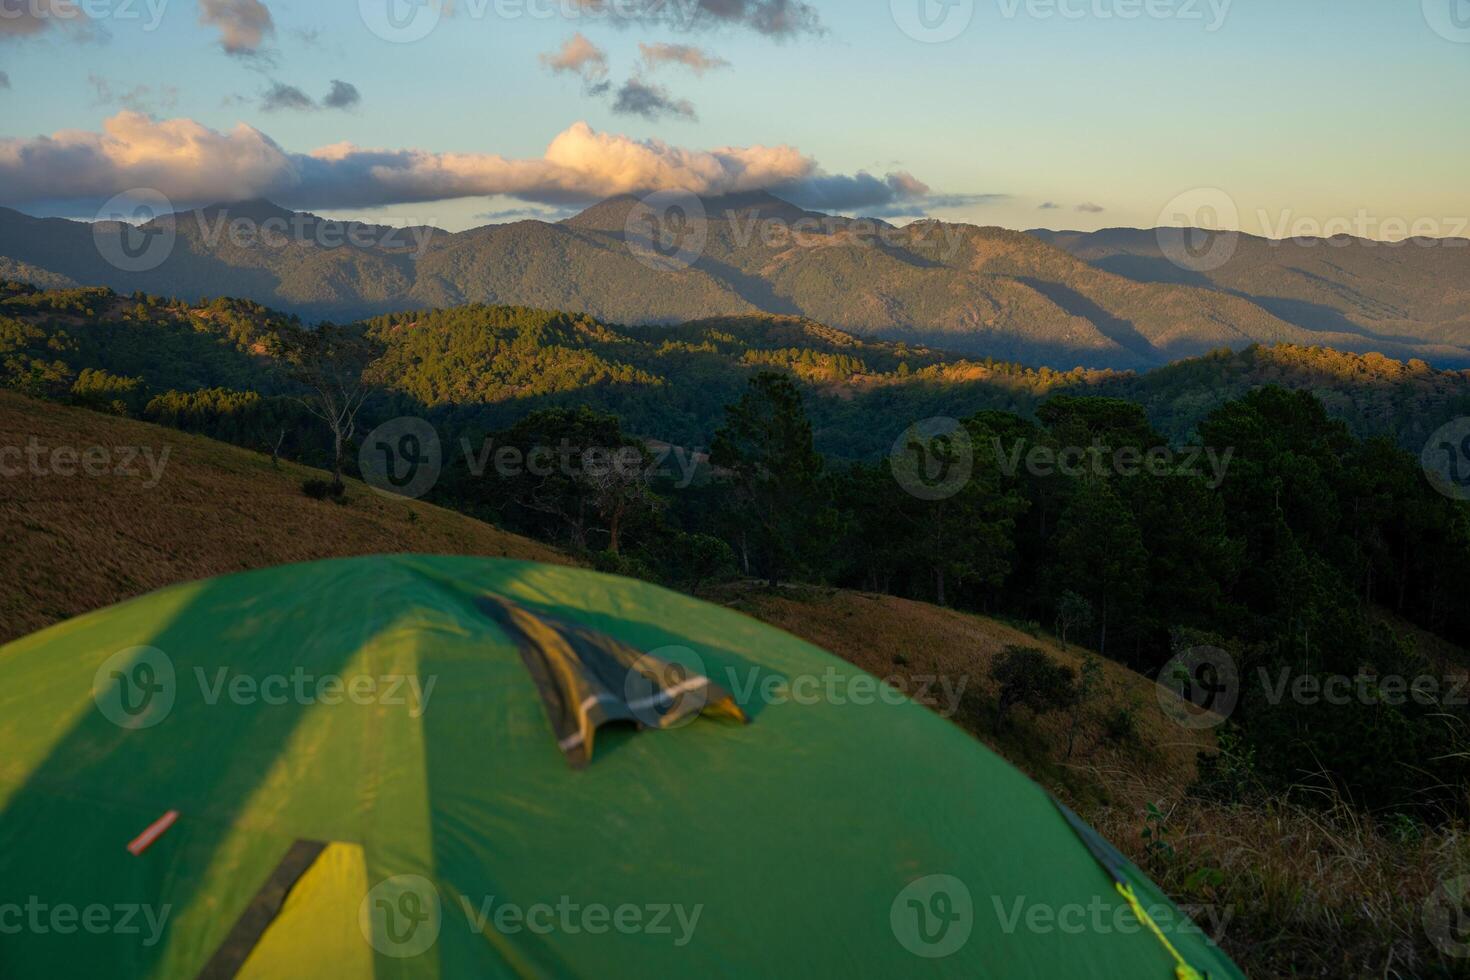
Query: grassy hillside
point(1286, 890)
point(916, 642)
point(72, 544)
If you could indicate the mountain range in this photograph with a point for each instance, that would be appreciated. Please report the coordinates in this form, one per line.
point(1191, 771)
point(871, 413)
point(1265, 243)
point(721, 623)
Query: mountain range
point(1109, 299)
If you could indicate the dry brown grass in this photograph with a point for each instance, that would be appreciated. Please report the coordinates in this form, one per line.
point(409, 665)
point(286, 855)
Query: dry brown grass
point(1299, 891)
point(69, 545)
point(893, 637)
point(1309, 891)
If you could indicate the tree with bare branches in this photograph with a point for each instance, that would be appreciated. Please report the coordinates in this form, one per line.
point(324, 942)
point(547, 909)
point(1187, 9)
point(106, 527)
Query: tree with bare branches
point(332, 362)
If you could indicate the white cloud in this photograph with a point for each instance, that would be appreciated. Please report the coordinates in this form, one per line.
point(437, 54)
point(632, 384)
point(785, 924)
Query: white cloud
point(193, 164)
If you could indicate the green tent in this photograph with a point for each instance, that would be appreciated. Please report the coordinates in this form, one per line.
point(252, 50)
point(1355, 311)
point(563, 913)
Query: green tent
point(385, 767)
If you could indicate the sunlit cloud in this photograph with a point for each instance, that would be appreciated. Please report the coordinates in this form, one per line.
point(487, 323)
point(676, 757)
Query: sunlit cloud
point(578, 56)
point(695, 59)
point(193, 164)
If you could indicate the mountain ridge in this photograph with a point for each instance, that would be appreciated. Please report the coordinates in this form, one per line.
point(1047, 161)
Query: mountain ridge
point(1060, 299)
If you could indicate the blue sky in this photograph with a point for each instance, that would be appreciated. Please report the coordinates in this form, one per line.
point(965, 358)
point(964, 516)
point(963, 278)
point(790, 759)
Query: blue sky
point(1297, 110)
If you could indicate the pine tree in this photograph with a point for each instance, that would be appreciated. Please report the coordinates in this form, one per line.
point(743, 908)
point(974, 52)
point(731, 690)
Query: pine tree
point(766, 445)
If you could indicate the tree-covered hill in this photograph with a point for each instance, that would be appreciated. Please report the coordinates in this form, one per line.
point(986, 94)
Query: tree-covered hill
point(492, 364)
point(982, 291)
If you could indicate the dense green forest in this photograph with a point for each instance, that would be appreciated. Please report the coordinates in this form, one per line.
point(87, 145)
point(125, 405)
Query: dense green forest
point(488, 366)
point(1286, 545)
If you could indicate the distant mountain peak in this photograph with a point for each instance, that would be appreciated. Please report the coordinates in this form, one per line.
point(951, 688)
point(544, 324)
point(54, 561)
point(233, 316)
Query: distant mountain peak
point(253, 209)
point(612, 214)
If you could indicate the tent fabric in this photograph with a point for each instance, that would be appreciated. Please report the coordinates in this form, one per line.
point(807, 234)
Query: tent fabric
point(262, 911)
point(321, 914)
point(371, 703)
point(588, 679)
